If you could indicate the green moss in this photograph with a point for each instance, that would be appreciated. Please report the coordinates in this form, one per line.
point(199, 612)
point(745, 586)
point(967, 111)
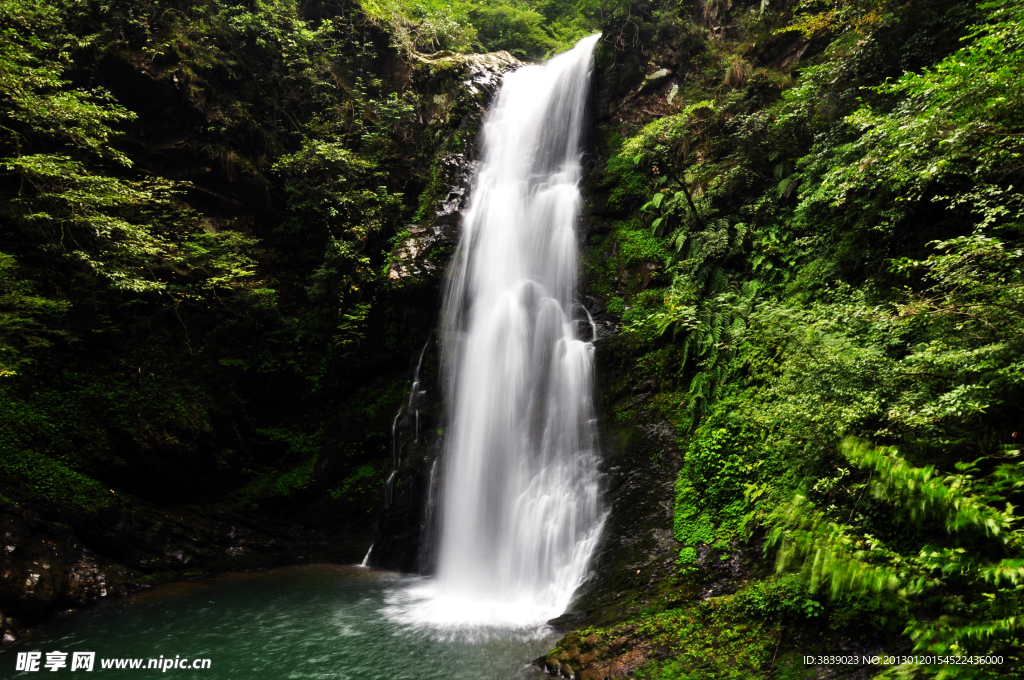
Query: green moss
point(615, 306)
point(275, 483)
point(758, 632)
point(282, 482)
point(442, 254)
point(651, 301)
point(730, 650)
point(629, 184)
point(366, 477)
point(50, 478)
point(638, 245)
point(437, 186)
point(704, 640)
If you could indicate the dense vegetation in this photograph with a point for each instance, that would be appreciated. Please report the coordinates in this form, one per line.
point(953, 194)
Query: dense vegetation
point(821, 268)
point(196, 205)
point(198, 208)
point(806, 215)
point(524, 28)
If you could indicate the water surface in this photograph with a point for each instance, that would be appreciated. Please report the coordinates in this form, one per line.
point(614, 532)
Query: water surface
point(316, 621)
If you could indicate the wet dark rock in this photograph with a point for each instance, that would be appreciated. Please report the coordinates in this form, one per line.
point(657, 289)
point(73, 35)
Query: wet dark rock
point(792, 53)
point(606, 326)
point(647, 271)
point(50, 561)
point(461, 87)
point(640, 464)
point(403, 538)
point(10, 628)
point(421, 257)
point(459, 84)
point(647, 386)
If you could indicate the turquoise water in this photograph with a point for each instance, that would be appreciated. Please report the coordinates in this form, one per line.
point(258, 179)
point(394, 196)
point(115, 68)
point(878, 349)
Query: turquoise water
point(316, 621)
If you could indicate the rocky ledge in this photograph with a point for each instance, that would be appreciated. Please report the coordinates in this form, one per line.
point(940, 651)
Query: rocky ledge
point(463, 86)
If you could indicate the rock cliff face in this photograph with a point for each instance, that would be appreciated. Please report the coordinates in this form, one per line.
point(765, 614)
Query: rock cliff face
point(463, 86)
point(47, 565)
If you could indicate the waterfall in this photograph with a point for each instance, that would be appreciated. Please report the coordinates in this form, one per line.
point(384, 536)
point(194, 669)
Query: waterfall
point(520, 507)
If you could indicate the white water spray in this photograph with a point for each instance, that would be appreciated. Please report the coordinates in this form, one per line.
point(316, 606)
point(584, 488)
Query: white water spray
point(520, 510)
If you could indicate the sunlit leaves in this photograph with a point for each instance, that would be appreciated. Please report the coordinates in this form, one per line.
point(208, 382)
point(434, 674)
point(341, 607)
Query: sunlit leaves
point(35, 97)
point(961, 117)
point(123, 231)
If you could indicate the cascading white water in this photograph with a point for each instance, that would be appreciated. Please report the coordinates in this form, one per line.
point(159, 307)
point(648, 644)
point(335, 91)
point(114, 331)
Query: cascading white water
point(520, 511)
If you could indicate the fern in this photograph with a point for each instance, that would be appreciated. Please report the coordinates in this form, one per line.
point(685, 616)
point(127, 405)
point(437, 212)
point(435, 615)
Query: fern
point(978, 573)
point(923, 495)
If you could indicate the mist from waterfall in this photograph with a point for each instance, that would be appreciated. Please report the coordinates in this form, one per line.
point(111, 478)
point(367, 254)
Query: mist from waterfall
point(520, 511)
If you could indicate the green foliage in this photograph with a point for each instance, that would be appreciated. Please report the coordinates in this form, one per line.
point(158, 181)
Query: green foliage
point(628, 185)
point(726, 638)
point(512, 27)
point(615, 306)
point(365, 478)
point(425, 25)
point(37, 95)
point(275, 483)
point(132, 233)
point(292, 107)
point(781, 597)
point(525, 28)
point(958, 120)
point(813, 16)
point(196, 203)
point(645, 303)
point(26, 320)
point(719, 486)
point(301, 447)
point(973, 575)
point(51, 479)
point(842, 257)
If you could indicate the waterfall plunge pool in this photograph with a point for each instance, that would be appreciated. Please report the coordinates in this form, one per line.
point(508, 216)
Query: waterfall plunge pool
point(314, 621)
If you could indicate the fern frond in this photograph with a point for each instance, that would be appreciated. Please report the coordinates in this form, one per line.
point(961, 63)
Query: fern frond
point(719, 282)
point(828, 555)
point(741, 232)
point(920, 493)
point(782, 186)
